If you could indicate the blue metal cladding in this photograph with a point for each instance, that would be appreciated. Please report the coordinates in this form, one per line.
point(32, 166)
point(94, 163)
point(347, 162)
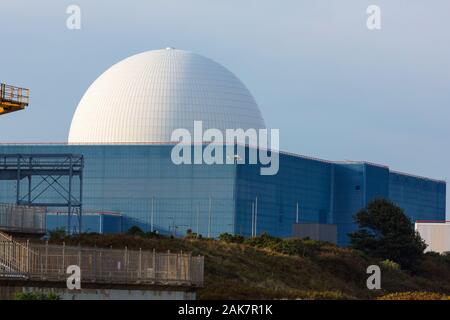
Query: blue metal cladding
point(356, 184)
point(92, 222)
point(111, 224)
point(133, 179)
point(349, 191)
point(128, 179)
point(421, 198)
point(299, 180)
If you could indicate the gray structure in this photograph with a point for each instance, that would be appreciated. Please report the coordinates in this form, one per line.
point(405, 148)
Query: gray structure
point(22, 219)
point(315, 231)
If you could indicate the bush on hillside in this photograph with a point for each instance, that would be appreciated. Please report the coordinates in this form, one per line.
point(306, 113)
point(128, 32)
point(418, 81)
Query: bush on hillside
point(36, 296)
point(389, 264)
point(386, 232)
point(229, 238)
point(299, 247)
point(192, 235)
point(57, 234)
point(263, 241)
point(135, 231)
point(414, 296)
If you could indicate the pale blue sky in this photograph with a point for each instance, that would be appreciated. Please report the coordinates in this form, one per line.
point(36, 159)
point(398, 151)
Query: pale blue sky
point(335, 89)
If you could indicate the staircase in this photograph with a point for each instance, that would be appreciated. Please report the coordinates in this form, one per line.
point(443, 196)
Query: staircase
point(14, 258)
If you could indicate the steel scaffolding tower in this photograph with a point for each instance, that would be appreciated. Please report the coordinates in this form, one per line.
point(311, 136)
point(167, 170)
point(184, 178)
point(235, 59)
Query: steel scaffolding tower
point(50, 182)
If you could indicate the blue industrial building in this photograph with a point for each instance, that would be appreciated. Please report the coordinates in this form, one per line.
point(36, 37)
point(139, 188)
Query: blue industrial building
point(136, 180)
point(121, 134)
point(92, 222)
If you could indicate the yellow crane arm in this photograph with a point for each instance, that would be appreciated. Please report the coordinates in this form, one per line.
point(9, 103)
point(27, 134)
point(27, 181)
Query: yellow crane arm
point(13, 98)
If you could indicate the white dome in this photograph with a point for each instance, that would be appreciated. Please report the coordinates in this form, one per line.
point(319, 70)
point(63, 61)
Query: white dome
point(145, 97)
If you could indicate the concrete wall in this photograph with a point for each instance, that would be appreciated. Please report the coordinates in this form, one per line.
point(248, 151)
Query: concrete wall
point(315, 231)
point(436, 235)
point(8, 292)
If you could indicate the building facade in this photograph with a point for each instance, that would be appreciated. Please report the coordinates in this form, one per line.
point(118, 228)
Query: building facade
point(148, 190)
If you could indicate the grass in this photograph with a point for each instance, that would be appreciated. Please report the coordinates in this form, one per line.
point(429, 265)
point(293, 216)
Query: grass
point(272, 268)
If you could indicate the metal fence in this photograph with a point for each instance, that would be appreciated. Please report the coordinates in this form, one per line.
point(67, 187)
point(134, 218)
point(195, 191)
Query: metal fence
point(50, 262)
point(13, 257)
point(23, 219)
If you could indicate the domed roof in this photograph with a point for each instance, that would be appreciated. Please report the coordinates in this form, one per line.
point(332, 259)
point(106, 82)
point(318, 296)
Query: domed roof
point(145, 97)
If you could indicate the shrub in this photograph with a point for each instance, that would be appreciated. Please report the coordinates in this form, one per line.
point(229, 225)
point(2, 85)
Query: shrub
point(304, 248)
point(153, 234)
point(324, 295)
point(389, 264)
point(191, 235)
point(414, 296)
point(57, 234)
point(263, 241)
point(36, 296)
point(386, 232)
point(135, 231)
point(229, 238)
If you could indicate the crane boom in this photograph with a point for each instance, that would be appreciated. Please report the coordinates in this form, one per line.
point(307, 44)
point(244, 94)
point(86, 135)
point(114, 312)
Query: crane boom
point(13, 98)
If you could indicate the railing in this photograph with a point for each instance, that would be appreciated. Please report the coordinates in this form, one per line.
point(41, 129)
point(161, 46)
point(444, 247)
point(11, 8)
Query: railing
point(14, 257)
point(14, 94)
point(24, 219)
point(49, 263)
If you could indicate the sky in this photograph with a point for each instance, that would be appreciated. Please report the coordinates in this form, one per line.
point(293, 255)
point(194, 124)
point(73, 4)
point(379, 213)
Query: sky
point(334, 88)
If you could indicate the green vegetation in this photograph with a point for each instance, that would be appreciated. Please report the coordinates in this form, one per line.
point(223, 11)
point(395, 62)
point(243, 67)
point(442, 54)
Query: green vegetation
point(415, 296)
point(57, 234)
point(267, 267)
point(135, 231)
point(390, 264)
point(36, 296)
point(387, 233)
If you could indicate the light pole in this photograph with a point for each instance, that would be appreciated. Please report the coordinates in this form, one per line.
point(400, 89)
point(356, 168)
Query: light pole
point(256, 217)
point(152, 216)
point(253, 219)
point(198, 219)
point(209, 217)
point(173, 227)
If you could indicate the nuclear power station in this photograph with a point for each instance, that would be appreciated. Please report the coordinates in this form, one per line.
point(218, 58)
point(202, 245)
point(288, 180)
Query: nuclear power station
point(116, 170)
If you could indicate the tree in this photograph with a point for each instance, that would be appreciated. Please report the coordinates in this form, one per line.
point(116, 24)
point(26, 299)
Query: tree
point(135, 231)
point(386, 232)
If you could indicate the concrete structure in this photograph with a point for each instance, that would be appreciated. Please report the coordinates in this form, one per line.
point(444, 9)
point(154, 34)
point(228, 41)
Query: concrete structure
point(144, 98)
point(10, 289)
point(103, 273)
point(122, 127)
point(436, 235)
point(315, 231)
point(22, 219)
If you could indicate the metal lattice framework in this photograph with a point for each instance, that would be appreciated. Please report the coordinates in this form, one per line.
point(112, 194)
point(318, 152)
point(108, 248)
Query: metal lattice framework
point(50, 181)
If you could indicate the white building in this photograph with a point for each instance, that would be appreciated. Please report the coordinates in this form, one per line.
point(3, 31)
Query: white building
point(436, 235)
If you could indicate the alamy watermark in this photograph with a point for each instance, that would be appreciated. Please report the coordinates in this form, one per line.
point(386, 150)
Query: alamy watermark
point(74, 280)
point(374, 19)
point(73, 22)
point(221, 147)
point(374, 281)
